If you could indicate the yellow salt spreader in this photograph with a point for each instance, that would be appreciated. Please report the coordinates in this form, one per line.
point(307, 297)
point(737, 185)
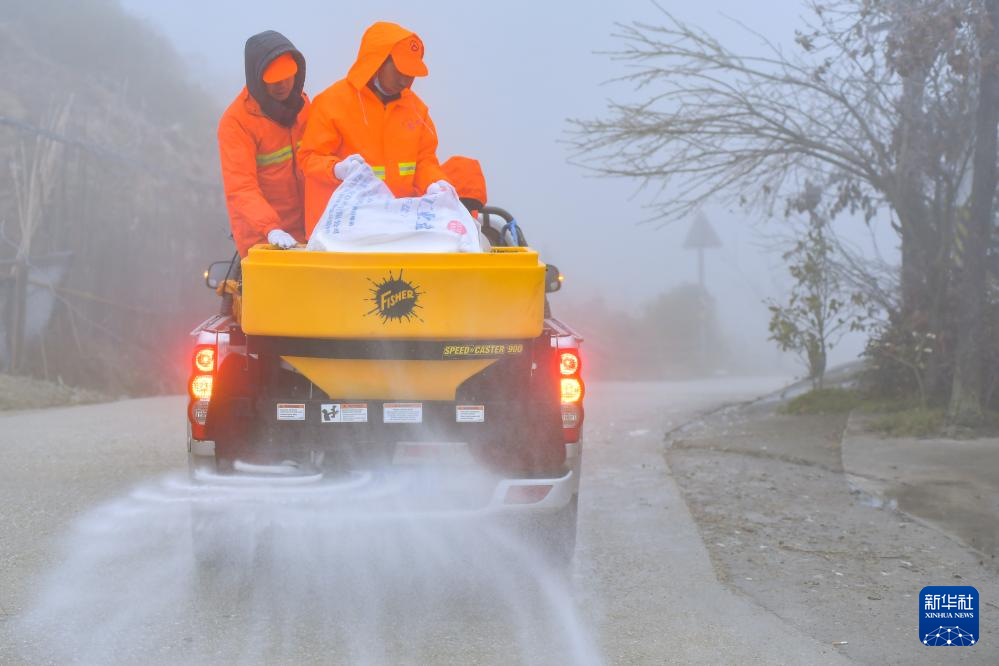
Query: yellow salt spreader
point(324, 365)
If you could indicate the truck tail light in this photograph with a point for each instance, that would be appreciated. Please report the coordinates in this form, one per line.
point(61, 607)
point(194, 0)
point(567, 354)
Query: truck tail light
point(201, 387)
point(572, 390)
point(204, 359)
point(568, 363)
point(199, 411)
point(572, 415)
point(204, 362)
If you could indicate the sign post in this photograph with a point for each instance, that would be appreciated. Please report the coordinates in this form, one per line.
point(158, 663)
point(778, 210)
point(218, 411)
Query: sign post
point(701, 237)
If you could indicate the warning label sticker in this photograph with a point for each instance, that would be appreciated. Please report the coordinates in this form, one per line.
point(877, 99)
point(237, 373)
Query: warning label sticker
point(290, 412)
point(344, 413)
point(403, 412)
point(470, 413)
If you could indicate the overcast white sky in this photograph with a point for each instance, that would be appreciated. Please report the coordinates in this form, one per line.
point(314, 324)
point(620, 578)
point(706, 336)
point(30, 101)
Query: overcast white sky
point(504, 76)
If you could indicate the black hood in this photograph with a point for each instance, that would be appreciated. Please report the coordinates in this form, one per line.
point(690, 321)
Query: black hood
point(260, 51)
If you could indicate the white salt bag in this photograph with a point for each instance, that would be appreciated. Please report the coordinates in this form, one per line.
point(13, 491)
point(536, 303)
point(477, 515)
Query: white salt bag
point(364, 216)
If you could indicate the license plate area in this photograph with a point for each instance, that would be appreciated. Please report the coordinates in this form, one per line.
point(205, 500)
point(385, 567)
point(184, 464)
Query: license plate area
point(432, 453)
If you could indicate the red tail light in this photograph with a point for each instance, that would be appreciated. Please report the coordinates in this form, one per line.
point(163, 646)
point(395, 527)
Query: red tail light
point(200, 387)
point(571, 391)
point(568, 363)
point(204, 359)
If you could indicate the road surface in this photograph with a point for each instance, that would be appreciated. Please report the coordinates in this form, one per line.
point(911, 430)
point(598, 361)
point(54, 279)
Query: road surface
point(95, 563)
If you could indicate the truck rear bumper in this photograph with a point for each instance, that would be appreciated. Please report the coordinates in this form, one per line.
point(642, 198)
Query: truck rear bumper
point(496, 495)
point(555, 494)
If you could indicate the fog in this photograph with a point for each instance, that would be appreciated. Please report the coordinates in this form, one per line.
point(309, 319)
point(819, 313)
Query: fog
point(343, 465)
point(504, 78)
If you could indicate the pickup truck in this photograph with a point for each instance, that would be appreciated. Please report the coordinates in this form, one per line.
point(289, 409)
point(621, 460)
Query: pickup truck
point(321, 366)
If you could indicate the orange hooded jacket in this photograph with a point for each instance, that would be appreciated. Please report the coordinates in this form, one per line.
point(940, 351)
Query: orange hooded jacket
point(465, 174)
point(398, 139)
point(263, 183)
point(261, 177)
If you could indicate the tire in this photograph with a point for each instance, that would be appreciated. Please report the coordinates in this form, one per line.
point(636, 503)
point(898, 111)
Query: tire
point(227, 451)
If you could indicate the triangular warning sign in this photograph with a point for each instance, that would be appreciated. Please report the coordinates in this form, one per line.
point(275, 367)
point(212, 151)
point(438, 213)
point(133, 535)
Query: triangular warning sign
point(701, 234)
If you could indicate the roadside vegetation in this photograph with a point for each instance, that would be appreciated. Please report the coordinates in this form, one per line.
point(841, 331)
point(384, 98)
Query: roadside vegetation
point(884, 112)
point(912, 422)
point(110, 205)
point(823, 401)
point(28, 393)
point(892, 417)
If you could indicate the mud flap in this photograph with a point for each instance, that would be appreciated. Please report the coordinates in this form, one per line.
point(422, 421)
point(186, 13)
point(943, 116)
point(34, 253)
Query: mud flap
point(230, 414)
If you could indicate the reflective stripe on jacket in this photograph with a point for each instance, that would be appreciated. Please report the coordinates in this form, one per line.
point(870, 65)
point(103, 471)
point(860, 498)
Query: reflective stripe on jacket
point(398, 139)
point(260, 173)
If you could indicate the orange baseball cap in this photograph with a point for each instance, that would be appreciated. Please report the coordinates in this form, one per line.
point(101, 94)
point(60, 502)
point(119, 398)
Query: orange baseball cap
point(408, 57)
point(281, 68)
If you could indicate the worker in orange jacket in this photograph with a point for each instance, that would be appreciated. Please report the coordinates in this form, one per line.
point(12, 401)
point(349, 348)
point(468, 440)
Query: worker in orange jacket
point(465, 174)
point(372, 115)
point(258, 135)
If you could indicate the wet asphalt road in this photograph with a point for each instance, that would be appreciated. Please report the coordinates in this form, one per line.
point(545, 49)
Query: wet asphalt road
point(641, 589)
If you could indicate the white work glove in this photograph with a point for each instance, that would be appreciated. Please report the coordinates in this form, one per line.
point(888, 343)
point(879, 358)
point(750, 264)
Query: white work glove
point(344, 167)
point(281, 238)
point(440, 187)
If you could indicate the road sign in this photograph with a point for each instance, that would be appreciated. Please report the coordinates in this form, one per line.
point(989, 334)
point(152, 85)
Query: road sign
point(701, 235)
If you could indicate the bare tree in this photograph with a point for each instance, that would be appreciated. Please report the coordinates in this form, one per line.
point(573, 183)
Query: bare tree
point(134, 195)
point(720, 124)
point(874, 104)
point(977, 234)
point(34, 178)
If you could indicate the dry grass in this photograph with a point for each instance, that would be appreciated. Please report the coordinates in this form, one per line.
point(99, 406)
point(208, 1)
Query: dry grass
point(823, 401)
point(17, 392)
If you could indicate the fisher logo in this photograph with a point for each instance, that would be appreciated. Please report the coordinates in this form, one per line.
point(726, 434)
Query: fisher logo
point(395, 299)
point(948, 615)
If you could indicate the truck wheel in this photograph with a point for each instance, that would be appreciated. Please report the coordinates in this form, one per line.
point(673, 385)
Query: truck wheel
point(227, 451)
